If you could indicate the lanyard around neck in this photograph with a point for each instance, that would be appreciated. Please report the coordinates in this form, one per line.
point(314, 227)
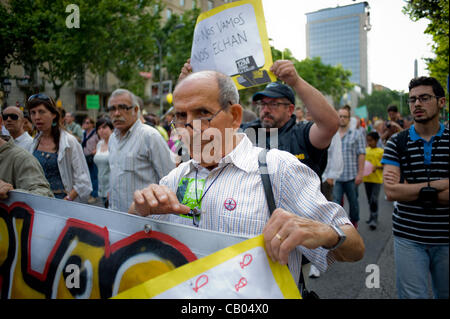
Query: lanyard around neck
point(203, 195)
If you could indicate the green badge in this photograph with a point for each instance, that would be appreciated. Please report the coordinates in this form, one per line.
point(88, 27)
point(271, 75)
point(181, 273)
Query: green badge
point(186, 193)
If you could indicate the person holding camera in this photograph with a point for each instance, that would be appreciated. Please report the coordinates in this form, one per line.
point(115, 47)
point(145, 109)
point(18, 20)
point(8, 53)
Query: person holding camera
point(416, 176)
point(389, 129)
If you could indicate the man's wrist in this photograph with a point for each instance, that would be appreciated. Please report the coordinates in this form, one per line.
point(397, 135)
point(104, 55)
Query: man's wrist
point(339, 235)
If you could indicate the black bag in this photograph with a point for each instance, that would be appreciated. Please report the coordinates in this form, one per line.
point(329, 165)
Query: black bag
point(305, 293)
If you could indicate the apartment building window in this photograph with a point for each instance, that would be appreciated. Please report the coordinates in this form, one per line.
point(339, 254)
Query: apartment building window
point(210, 4)
point(168, 13)
point(80, 79)
point(102, 82)
point(181, 3)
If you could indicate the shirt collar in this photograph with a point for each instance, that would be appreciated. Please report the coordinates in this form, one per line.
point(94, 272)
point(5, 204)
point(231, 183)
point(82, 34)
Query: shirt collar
point(414, 136)
point(238, 155)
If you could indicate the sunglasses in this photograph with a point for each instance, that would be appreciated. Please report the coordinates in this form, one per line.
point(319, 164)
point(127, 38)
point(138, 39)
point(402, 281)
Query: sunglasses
point(40, 96)
point(13, 117)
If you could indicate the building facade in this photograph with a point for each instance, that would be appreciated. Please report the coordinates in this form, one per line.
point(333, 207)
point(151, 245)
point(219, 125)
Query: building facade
point(25, 82)
point(339, 36)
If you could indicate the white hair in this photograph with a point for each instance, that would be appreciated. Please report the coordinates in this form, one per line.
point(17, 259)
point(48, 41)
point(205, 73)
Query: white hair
point(134, 100)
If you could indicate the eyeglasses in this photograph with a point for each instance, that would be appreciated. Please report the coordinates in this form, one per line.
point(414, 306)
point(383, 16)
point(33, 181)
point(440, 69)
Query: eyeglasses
point(13, 117)
point(424, 98)
point(180, 120)
point(120, 107)
point(40, 96)
point(270, 105)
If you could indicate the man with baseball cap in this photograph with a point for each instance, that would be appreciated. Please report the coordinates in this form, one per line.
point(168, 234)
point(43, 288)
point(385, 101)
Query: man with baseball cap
point(276, 104)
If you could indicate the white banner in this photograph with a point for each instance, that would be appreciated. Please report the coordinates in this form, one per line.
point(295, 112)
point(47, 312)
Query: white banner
point(51, 248)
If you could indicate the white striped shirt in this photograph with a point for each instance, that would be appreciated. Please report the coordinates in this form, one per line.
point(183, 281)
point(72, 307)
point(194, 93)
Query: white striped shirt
point(236, 203)
point(138, 159)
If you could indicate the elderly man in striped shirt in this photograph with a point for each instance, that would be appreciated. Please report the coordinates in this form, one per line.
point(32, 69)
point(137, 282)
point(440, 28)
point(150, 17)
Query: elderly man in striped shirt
point(138, 155)
point(221, 189)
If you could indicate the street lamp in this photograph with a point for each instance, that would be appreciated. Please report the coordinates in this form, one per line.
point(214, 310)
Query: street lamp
point(160, 45)
point(6, 86)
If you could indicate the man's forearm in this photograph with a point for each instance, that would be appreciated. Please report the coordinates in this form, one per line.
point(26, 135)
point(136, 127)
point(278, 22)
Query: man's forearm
point(409, 192)
point(353, 248)
point(361, 163)
point(321, 111)
point(324, 116)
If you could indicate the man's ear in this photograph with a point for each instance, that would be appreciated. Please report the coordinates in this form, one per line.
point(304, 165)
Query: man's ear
point(441, 102)
point(236, 111)
point(291, 109)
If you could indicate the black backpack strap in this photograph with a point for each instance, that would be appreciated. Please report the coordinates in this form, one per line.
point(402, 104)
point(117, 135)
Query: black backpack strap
point(264, 172)
point(402, 149)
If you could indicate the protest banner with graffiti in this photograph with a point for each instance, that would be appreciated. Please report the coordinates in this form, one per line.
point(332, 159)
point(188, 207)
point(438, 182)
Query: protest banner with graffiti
point(51, 248)
point(232, 39)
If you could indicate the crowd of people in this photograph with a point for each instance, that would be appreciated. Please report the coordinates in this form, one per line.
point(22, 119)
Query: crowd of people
point(316, 155)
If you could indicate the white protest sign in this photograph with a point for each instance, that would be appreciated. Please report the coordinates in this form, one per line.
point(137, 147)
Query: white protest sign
point(232, 39)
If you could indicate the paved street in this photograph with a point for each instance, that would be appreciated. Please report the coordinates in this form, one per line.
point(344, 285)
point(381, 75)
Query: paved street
point(348, 280)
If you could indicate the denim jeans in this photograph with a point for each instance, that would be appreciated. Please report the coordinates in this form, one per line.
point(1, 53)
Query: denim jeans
point(350, 189)
point(373, 192)
point(414, 263)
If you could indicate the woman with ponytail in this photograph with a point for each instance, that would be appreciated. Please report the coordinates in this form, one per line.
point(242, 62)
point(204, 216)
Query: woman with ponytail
point(59, 152)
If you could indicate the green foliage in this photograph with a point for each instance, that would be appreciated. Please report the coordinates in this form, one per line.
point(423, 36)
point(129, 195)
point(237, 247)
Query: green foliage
point(437, 12)
point(120, 37)
point(378, 102)
point(114, 36)
point(330, 80)
point(179, 42)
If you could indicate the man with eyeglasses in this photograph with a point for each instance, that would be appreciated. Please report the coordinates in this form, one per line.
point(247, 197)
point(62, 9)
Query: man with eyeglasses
point(220, 188)
point(416, 176)
point(308, 141)
point(13, 118)
point(138, 155)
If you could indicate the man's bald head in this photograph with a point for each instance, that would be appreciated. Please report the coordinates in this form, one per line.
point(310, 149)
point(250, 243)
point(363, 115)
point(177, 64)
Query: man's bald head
point(13, 110)
point(227, 91)
point(14, 126)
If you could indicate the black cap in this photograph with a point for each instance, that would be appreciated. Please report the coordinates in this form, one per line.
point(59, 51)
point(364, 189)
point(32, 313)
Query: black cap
point(275, 90)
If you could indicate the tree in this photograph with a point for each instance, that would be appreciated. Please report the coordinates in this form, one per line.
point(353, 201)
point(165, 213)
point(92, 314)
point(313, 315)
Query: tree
point(378, 102)
point(179, 42)
point(437, 12)
point(330, 80)
point(113, 35)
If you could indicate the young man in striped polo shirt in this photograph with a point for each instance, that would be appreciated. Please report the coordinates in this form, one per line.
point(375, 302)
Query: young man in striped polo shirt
point(416, 176)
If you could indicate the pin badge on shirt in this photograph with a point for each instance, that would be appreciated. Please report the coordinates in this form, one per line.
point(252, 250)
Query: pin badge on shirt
point(230, 204)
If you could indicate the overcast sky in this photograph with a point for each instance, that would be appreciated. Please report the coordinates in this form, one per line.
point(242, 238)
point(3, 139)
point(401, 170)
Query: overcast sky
point(393, 42)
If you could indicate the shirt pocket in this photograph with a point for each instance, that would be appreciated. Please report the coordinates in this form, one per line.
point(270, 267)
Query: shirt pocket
point(130, 163)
